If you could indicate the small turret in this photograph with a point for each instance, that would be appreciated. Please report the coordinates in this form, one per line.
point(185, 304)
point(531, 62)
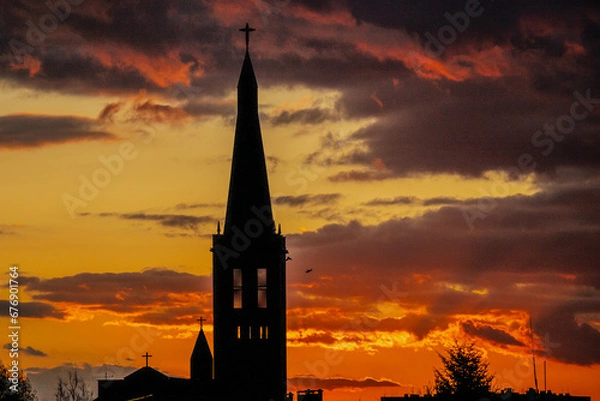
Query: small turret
point(201, 362)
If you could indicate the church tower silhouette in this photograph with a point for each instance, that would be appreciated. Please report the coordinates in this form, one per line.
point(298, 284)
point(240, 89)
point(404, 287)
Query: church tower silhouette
point(249, 296)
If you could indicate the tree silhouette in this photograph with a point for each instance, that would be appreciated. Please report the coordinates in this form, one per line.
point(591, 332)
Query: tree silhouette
point(24, 390)
point(72, 389)
point(465, 374)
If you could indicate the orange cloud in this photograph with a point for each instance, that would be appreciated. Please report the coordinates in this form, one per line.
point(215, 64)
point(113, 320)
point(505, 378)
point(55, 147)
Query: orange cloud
point(336, 17)
point(144, 109)
point(228, 12)
point(155, 112)
point(30, 63)
point(457, 65)
point(163, 71)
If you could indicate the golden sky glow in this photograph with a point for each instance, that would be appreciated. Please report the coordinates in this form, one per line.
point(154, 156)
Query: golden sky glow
point(413, 184)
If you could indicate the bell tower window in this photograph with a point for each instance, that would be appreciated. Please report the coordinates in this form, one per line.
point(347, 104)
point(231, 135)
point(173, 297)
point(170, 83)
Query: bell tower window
point(261, 280)
point(237, 288)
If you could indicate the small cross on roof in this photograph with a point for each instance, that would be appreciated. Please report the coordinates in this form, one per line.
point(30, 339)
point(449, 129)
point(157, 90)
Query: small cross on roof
point(147, 356)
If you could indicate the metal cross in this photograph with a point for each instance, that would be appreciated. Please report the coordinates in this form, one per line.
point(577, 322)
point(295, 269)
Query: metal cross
point(247, 29)
point(146, 356)
point(201, 320)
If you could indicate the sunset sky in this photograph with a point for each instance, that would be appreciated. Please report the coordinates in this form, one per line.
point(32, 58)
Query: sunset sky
point(436, 166)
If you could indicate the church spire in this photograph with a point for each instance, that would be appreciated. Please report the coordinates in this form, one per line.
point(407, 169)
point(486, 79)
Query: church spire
point(248, 185)
point(249, 300)
point(201, 361)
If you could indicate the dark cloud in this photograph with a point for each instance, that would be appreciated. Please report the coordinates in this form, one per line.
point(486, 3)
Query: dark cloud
point(332, 383)
point(186, 206)
point(514, 229)
point(174, 315)
point(171, 220)
point(152, 26)
point(352, 321)
point(71, 70)
point(27, 350)
point(414, 18)
point(419, 325)
point(153, 112)
point(329, 57)
point(517, 63)
point(510, 261)
point(489, 22)
point(320, 6)
point(490, 333)
point(109, 111)
point(200, 42)
point(360, 175)
point(36, 310)
point(440, 201)
point(8, 229)
point(565, 339)
point(180, 221)
point(122, 292)
point(273, 163)
point(315, 115)
point(443, 137)
point(198, 106)
point(315, 338)
point(473, 108)
point(399, 200)
point(115, 47)
point(19, 131)
point(411, 200)
point(145, 110)
point(307, 199)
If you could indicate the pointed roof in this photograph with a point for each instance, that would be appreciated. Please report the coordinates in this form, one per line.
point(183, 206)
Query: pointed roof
point(201, 361)
point(247, 77)
point(146, 374)
point(248, 185)
point(201, 348)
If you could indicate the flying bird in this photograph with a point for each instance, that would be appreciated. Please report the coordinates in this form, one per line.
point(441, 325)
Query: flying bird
point(309, 270)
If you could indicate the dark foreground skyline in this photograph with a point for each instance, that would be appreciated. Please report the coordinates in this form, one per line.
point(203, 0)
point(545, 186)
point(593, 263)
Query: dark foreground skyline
point(436, 168)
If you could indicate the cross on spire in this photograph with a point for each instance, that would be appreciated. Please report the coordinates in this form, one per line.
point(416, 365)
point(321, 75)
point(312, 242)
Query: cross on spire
point(247, 29)
point(146, 355)
point(201, 320)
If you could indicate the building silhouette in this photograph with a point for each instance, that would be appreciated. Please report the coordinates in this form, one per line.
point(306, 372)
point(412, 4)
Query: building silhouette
point(249, 299)
point(201, 361)
point(249, 294)
point(505, 395)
